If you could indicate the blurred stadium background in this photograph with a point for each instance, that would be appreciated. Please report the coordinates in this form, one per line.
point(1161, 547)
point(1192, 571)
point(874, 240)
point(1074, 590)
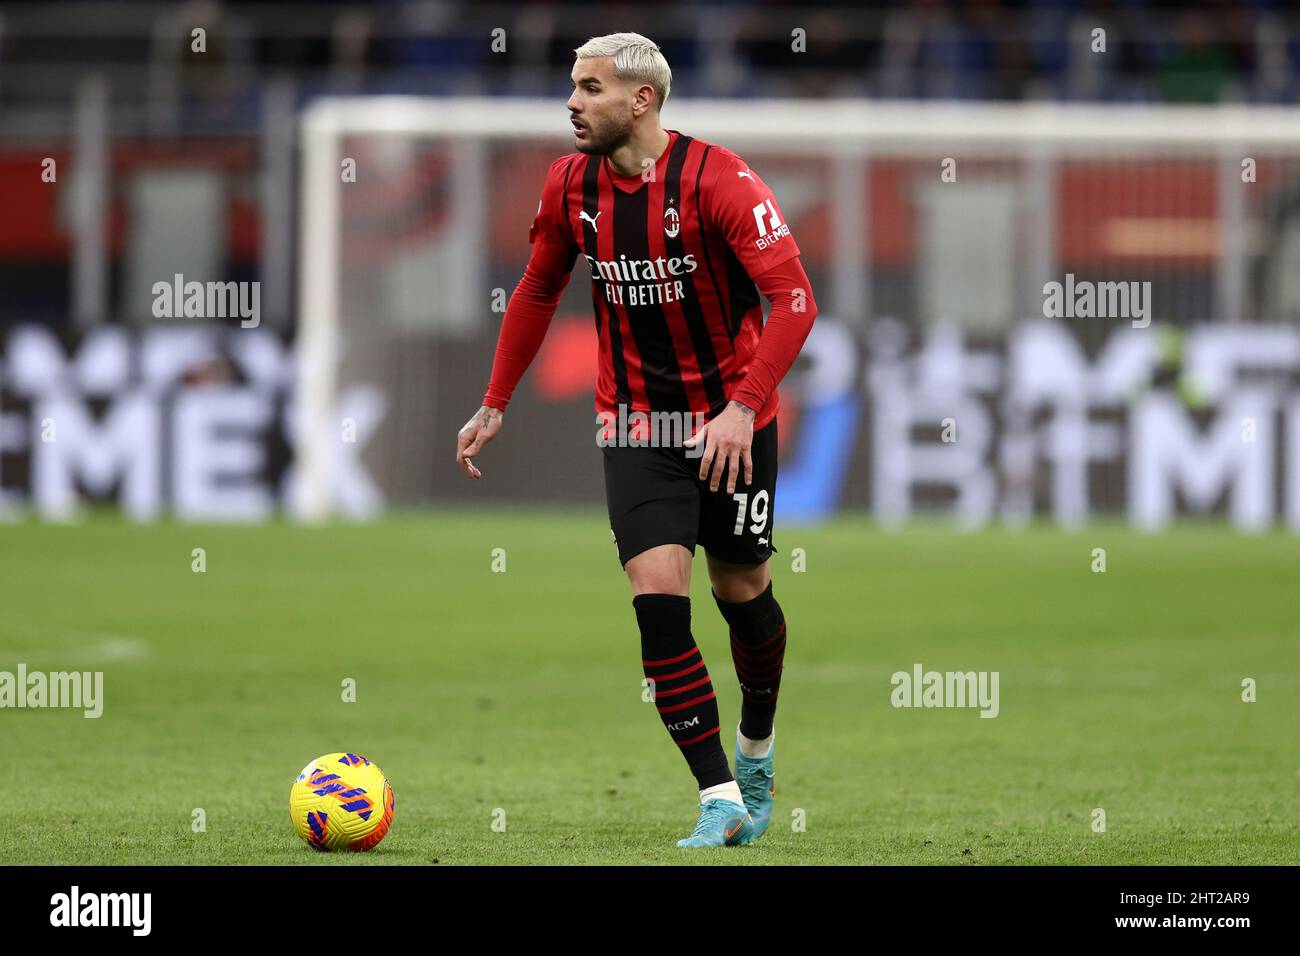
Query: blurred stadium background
point(1163, 149)
point(129, 156)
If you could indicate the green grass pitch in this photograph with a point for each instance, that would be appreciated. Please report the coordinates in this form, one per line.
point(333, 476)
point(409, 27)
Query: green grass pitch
point(522, 691)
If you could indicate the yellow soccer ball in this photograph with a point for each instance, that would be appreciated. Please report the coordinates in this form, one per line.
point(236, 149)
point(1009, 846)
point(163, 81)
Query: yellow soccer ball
point(341, 802)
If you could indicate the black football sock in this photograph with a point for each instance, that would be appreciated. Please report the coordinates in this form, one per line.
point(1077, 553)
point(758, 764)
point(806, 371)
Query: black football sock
point(682, 690)
point(758, 649)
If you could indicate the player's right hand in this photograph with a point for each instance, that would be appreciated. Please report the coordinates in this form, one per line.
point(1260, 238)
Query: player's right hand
point(477, 432)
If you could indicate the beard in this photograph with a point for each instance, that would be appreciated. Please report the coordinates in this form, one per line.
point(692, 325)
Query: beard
point(609, 137)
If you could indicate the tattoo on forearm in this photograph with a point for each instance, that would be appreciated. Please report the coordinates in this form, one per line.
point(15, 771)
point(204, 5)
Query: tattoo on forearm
point(744, 408)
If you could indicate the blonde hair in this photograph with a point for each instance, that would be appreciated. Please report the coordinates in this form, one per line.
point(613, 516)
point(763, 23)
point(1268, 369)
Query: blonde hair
point(635, 58)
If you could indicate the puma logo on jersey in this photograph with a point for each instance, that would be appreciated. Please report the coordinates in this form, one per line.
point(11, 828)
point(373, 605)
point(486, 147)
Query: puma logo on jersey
point(744, 174)
point(583, 215)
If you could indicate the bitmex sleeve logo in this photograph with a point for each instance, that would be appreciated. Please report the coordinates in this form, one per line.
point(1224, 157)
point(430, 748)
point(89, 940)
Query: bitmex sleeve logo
point(768, 223)
point(103, 909)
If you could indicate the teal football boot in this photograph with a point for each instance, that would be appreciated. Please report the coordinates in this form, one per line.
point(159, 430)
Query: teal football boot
point(721, 823)
point(757, 779)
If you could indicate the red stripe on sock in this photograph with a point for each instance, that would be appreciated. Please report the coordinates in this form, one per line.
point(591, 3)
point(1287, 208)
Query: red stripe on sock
point(671, 660)
point(660, 677)
point(749, 652)
point(688, 703)
point(757, 675)
point(681, 690)
point(695, 740)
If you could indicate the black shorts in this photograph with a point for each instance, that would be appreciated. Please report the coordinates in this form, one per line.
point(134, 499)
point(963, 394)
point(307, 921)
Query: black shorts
point(655, 496)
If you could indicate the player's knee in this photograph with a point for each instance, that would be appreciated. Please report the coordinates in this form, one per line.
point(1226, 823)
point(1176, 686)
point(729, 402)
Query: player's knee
point(661, 570)
point(738, 584)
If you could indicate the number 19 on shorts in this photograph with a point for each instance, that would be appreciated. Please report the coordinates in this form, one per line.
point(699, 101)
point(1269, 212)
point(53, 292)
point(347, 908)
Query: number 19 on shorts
point(754, 510)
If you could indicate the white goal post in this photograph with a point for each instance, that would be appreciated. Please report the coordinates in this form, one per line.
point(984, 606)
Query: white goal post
point(845, 133)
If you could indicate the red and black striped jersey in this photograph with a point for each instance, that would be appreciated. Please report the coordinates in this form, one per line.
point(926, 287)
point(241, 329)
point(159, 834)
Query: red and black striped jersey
point(673, 254)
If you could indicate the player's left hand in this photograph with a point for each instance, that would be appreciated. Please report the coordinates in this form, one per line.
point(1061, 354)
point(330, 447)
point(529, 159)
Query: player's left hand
point(727, 440)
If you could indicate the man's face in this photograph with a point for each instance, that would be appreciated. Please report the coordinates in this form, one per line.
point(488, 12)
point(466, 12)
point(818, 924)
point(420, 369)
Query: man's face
point(600, 107)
